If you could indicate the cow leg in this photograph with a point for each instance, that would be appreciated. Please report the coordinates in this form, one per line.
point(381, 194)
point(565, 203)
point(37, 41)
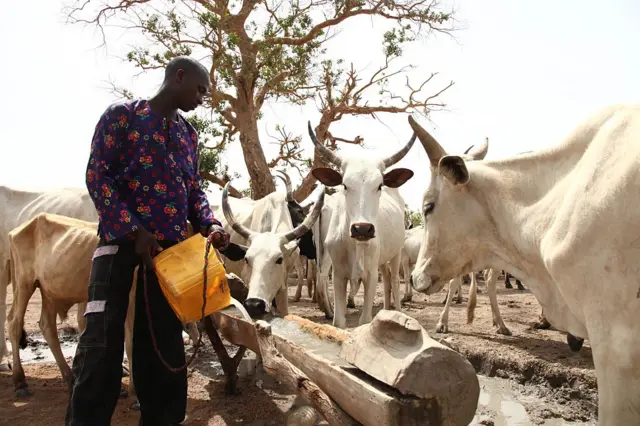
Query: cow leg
point(370, 284)
point(311, 279)
point(21, 295)
point(543, 323)
point(81, 308)
point(386, 286)
point(615, 351)
point(128, 338)
point(354, 287)
point(443, 322)
point(322, 283)
point(297, 264)
point(4, 283)
point(519, 284)
point(507, 282)
point(49, 330)
point(339, 299)
point(194, 333)
point(408, 290)
point(394, 269)
point(492, 280)
point(282, 301)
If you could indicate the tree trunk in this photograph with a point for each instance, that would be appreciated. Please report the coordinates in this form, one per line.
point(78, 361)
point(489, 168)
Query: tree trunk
point(260, 177)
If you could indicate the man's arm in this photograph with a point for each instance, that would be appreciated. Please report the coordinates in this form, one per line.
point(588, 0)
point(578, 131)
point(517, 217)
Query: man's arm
point(115, 217)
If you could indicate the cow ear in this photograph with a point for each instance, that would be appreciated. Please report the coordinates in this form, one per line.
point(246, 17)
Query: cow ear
point(454, 169)
point(327, 176)
point(397, 177)
point(234, 252)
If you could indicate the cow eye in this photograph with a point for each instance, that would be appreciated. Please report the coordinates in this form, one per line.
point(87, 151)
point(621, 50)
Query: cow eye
point(428, 208)
point(380, 187)
point(344, 186)
point(279, 261)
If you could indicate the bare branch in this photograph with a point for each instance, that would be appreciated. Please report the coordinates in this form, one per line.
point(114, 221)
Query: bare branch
point(221, 182)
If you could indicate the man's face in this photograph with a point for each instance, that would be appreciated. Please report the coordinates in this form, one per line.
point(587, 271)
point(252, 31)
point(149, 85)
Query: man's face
point(192, 87)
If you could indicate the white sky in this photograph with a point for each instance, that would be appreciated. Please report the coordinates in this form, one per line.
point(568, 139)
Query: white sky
point(525, 71)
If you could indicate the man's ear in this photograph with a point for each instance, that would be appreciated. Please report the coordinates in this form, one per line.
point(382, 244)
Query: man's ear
point(454, 169)
point(327, 176)
point(397, 177)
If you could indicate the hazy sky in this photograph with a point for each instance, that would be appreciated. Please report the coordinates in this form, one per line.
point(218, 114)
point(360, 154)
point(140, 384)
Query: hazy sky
point(525, 71)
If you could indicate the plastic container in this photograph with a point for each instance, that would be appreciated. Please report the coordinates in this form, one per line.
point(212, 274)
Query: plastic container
point(179, 270)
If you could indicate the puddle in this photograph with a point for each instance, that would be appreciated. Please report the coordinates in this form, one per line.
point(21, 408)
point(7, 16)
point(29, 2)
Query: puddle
point(501, 402)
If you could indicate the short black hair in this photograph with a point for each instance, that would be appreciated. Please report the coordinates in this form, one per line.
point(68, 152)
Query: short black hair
point(186, 63)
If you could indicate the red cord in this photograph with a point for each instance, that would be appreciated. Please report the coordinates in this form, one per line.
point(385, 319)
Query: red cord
point(204, 304)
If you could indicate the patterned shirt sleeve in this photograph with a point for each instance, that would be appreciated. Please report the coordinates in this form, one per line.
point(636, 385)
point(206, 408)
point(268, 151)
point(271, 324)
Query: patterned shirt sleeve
point(115, 218)
point(200, 214)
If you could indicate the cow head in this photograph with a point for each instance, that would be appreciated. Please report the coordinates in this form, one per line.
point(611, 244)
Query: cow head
point(454, 220)
point(267, 256)
point(362, 181)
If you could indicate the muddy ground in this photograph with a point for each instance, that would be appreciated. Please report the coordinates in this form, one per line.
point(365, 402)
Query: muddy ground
point(560, 383)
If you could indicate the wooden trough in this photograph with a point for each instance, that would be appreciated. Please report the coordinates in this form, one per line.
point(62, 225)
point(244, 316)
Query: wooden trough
point(386, 373)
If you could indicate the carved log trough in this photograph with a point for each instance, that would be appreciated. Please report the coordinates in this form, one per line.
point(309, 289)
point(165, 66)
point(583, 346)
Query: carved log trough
point(385, 373)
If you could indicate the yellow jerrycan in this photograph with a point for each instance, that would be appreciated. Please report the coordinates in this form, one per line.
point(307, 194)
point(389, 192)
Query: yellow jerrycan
point(179, 269)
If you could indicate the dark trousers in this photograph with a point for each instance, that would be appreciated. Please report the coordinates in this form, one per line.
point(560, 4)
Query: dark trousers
point(97, 365)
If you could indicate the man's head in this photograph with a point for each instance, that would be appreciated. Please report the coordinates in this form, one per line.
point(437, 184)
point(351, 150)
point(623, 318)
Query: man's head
point(188, 82)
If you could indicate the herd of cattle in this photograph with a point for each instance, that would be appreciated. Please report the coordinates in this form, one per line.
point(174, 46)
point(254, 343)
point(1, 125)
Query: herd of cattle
point(562, 219)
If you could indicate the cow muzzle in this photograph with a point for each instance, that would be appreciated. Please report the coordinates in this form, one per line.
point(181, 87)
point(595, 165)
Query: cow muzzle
point(255, 307)
point(363, 231)
point(424, 284)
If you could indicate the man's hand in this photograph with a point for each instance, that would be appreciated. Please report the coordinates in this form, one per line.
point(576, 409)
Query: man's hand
point(219, 237)
point(146, 245)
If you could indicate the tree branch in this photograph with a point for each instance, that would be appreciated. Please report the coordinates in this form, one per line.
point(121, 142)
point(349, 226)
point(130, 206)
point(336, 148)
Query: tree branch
point(221, 182)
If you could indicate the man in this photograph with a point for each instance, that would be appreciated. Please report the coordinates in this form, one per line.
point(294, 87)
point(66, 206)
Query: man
point(142, 176)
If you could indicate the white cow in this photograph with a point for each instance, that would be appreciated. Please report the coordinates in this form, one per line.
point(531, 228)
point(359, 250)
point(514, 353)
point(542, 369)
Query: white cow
point(565, 220)
point(365, 228)
point(271, 241)
point(18, 206)
point(409, 255)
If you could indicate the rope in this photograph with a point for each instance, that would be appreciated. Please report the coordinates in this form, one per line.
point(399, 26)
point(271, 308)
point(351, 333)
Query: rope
point(204, 304)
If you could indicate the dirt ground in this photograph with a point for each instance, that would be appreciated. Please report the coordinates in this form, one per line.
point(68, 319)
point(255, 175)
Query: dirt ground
point(540, 360)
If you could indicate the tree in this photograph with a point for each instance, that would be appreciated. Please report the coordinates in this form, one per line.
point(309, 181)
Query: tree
point(411, 217)
point(280, 58)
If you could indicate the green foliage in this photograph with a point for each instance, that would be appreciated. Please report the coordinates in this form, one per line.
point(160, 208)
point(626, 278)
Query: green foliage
point(412, 217)
point(209, 157)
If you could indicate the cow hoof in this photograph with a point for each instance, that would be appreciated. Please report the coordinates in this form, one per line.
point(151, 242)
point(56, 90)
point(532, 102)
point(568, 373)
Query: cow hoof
point(507, 285)
point(521, 287)
point(124, 394)
point(135, 406)
point(459, 300)
point(5, 367)
point(575, 343)
point(542, 325)
point(23, 393)
point(296, 298)
point(350, 303)
point(406, 299)
point(442, 328)
point(504, 331)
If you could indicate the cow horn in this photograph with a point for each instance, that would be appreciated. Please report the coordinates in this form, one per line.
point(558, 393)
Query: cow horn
point(244, 232)
point(390, 161)
point(328, 155)
point(431, 146)
point(480, 152)
point(287, 183)
point(305, 226)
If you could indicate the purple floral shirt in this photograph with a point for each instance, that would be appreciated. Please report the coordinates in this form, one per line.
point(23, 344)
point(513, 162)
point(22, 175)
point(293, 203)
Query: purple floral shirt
point(142, 171)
